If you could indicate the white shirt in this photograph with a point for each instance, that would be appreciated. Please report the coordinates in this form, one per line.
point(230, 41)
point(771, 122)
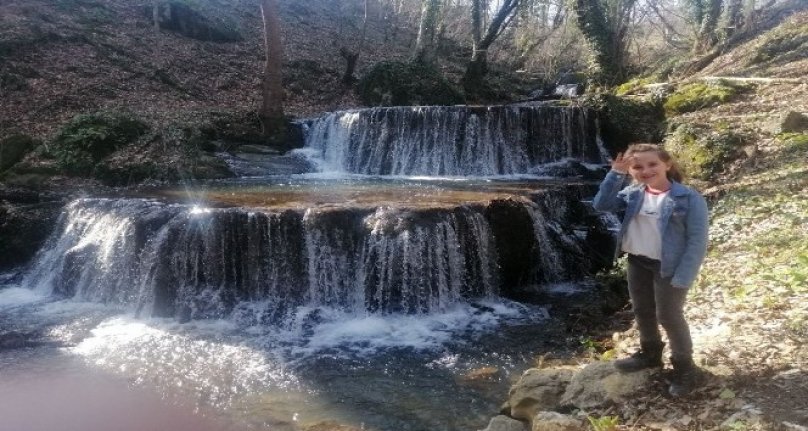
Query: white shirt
point(643, 236)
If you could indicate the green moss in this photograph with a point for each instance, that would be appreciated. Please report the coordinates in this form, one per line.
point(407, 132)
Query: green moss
point(704, 152)
point(632, 86)
point(396, 83)
point(693, 97)
point(794, 144)
point(88, 138)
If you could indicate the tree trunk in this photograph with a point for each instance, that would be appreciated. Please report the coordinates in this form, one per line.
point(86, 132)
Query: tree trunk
point(731, 20)
point(352, 56)
point(749, 15)
point(605, 62)
point(425, 44)
point(350, 65)
point(477, 68)
point(156, 15)
point(707, 36)
point(476, 23)
point(272, 117)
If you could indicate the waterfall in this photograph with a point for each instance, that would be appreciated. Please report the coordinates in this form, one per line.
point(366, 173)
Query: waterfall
point(191, 263)
point(452, 140)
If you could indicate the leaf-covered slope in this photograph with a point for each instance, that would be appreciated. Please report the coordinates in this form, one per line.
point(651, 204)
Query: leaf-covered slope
point(61, 58)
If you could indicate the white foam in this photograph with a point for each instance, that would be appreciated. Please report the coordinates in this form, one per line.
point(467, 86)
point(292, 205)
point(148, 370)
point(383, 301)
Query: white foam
point(18, 296)
point(341, 333)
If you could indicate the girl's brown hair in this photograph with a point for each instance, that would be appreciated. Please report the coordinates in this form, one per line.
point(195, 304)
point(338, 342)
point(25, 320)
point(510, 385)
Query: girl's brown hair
point(675, 173)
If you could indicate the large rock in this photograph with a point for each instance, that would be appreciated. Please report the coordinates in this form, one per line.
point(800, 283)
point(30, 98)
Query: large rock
point(538, 390)
point(504, 423)
point(601, 383)
point(553, 421)
point(790, 122)
point(24, 227)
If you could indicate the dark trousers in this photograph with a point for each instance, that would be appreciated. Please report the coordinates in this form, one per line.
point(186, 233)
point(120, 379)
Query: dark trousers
point(656, 302)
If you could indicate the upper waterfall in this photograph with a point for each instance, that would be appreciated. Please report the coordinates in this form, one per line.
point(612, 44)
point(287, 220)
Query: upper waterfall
point(452, 140)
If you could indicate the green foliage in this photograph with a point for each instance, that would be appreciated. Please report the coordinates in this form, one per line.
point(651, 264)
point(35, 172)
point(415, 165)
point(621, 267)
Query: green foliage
point(14, 148)
point(704, 152)
point(396, 83)
point(693, 97)
point(89, 138)
point(605, 423)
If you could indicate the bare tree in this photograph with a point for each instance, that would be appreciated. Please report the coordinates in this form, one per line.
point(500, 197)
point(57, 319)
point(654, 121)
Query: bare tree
point(605, 25)
point(478, 66)
point(351, 56)
point(425, 44)
point(706, 14)
point(271, 113)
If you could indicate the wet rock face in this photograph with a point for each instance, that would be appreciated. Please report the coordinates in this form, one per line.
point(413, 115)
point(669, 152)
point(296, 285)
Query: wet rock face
point(514, 238)
point(24, 227)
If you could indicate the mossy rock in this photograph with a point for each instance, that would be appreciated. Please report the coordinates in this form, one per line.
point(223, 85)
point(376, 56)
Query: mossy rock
point(629, 119)
point(794, 144)
point(89, 138)
point(14, 148)
point(632, 86)
point(703, 152)
point(693, 97)
point(396, 83)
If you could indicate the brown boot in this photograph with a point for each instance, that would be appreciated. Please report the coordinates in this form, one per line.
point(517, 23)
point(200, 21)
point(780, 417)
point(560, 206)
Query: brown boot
point(649, 356)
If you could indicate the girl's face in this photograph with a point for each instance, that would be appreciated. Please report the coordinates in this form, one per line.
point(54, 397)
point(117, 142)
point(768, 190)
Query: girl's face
point(647, 168)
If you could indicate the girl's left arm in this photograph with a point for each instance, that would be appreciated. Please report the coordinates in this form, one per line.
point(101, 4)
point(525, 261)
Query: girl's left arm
point(696, 248)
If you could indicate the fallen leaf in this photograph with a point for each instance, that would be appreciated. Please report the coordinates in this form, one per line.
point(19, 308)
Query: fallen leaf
point(726, 394)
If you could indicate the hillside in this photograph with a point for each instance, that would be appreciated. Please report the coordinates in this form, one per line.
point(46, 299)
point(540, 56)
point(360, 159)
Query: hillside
point(59, 59)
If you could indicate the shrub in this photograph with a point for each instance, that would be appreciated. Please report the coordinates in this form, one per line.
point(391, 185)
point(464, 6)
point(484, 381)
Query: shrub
point(89, 138)
point(13, 149)
point(395, 83)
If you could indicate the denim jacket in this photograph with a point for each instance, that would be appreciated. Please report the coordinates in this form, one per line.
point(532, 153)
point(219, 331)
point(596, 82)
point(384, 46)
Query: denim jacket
point(683, 224)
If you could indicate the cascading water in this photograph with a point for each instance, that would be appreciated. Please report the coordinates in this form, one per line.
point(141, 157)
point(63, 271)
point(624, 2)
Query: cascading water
point(350, 298)
point(190, 263)
point(451, 141)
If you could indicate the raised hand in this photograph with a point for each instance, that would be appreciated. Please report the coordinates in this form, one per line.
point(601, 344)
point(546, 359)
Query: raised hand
point(621, 164)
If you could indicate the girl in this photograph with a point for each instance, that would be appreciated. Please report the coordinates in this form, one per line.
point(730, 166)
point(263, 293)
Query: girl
point(664, 232)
